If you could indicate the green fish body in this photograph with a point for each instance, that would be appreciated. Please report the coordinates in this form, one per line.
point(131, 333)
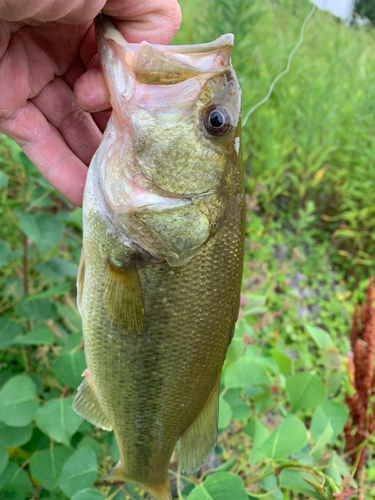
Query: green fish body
point(161, 267)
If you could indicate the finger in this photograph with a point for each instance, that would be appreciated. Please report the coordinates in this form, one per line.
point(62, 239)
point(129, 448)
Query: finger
point(57, 103)
point(91, 91)
point(150, 20)
point(68, 11)
point(156, 21)
point(46, 148)
point(74, 72)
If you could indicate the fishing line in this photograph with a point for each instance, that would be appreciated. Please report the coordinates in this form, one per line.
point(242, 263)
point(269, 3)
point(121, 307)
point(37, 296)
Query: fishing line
point(286, 70)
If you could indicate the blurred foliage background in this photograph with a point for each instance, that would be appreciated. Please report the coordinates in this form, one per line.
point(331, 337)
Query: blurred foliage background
point(310, 187)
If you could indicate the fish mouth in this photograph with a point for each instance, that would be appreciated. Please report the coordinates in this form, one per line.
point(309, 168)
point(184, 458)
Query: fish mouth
point(163, 64)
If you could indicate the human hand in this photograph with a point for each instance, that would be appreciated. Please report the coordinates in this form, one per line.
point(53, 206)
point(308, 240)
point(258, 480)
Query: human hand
point(47, 48)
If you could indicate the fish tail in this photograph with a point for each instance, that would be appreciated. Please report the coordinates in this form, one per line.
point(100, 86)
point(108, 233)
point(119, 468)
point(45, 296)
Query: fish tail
point(160, 491)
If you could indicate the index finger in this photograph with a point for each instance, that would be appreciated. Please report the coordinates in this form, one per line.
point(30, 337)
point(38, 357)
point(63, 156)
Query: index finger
point(154, 21)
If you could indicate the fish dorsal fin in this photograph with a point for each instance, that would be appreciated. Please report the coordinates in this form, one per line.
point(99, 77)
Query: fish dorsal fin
point(87, 405)
point(123, 294)
point(198, 441)
point(80, 280)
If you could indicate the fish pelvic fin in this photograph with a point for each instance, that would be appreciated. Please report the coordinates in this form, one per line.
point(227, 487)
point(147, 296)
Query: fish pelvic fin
point(87, 405)
point(123, 296)
point(160, 491)
point(198, 441)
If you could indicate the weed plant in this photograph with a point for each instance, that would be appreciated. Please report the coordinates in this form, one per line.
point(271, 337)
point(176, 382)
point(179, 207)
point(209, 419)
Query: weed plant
point(310, 195)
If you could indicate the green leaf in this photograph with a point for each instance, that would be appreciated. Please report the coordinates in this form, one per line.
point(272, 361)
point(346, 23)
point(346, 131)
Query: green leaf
point(284, 361)
point(3, 459)
point(329, 412)
point(57, 269)
point(71, 317)
point(321, 443)
point(259, 434)
point(46, 465)
point(18, 401)
point(15, 480)
point(44, 229)
point(5, 253)
point(13, 437)
point(38, 310)
point(88, 494)
point(245, 372)
point(79, 472)
point(288, 437)
point(76, 217)
point(38, 336)
point(220, 486)
point(296, 481)
point(225, 413)
point(305, 391)
point(321, 337)
point(3, 180)
point(8, 332)
point(69, 367)
point(58, 420)
point(55, 291)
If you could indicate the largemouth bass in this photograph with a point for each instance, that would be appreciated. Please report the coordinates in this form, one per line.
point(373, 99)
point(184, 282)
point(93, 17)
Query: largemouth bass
point(160, 273)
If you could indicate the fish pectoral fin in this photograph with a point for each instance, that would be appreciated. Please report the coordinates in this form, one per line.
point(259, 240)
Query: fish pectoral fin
point(87, 405)
point(123, 295)
point(198, 441)
point(80, 280)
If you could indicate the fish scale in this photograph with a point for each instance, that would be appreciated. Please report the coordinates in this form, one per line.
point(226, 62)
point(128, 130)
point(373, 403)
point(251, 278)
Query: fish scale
point(159, 284)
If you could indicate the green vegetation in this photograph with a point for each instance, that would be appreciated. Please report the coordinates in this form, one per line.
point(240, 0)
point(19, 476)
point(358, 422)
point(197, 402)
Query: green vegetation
point(309, 164)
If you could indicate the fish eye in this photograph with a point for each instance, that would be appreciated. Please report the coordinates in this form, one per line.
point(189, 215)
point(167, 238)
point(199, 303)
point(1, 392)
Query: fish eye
point(217, 121)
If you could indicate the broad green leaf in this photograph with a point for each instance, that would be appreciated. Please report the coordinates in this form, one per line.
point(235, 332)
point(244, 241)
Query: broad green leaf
point(225, 413)
point(8, 332)
point(323, 440)
point(220, 486)
point(79, 472)
point(69, 367)
point(15, 480)
point(259, 434)
point(245, 372)
point(38, 309)
point(298, 482)
point(284, 361)
point(18, 401)
point(305, 391)
point(13, 437)
point(321, 337)
point(235, 350)
point(71, 317)
point(44, 229)
point(335, 381)
point(3, 459)
point(241, 411)
point(57, 269)
point(288, 437)
point(58, 420)
point(46, 465)
point(5, 253)
point(3, 180)
point(88, 494)
point(329, 412)
point(38, 336)
point(76, 217)
point(55, 291)
point(270, 483)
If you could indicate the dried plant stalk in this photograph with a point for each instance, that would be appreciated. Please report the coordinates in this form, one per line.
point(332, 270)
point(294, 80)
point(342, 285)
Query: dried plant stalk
point(361, 420)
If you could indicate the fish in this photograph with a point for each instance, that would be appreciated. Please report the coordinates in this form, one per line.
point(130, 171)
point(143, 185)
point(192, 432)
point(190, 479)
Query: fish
point(159, 280)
